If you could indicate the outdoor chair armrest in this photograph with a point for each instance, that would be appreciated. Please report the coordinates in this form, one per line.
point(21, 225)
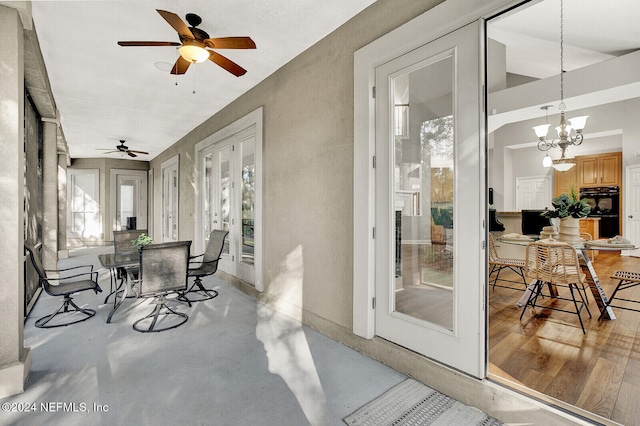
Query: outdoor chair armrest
point(195, 256)
point(203, 262)
point(71, 268)
point(93, 275)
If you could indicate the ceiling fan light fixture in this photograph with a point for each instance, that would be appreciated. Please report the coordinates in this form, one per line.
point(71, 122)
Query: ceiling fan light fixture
point(193, 52)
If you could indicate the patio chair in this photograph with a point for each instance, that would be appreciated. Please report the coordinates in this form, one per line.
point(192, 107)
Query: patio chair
point(69, 281)
point(122, 244)
point(208, 265)
point(163, 270)
point(555, 264)
point(497, 264)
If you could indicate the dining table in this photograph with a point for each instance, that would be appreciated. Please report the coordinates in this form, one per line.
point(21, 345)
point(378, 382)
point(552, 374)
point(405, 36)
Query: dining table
point(591, 276)
point(120, 283)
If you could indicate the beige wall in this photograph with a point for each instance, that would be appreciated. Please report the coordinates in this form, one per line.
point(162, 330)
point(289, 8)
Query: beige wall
point(308, 165)
point(105, 165)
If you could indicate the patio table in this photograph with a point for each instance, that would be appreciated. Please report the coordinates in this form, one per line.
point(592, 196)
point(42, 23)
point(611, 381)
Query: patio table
point(113, 262)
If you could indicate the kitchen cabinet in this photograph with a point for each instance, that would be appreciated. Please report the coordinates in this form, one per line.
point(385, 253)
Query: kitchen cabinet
point(600, 170)
point(591, 225)
point(590, 171)
point(564, 181)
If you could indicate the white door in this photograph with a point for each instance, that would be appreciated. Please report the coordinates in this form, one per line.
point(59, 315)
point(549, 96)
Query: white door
point(128, 199)
point(430, 175)
point(170, 185)
point(533, 193)
point(230, 200)
point(228, 170)
point(632, 209)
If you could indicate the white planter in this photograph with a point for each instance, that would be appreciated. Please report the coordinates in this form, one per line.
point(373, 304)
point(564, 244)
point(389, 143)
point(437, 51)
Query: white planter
point(569, 230)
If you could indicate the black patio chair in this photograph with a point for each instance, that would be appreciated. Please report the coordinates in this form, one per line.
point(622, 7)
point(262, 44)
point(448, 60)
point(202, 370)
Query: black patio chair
point(163, 270)
point(72, 280)
point(208, 265)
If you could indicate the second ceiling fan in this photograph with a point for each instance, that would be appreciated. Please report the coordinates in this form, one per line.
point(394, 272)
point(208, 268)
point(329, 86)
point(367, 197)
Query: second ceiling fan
point(195, 44)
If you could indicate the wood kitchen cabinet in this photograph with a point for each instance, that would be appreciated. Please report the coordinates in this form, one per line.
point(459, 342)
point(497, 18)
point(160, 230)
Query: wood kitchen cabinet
point(564, 181)
point(600, 170)
point(590, 171)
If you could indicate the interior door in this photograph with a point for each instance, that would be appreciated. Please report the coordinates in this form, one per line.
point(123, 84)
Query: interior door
point(430, 175)
point(632, 209)
point(533, 193)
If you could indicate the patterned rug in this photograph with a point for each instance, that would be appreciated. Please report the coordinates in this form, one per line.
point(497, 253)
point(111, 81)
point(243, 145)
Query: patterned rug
point(413, 404)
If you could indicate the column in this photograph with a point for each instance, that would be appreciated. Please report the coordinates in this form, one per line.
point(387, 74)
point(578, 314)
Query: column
point(15, 359)
point(50, 193)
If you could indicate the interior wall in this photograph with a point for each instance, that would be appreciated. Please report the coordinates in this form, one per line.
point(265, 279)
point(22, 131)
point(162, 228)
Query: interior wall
point(308, 165)
point(105, 165)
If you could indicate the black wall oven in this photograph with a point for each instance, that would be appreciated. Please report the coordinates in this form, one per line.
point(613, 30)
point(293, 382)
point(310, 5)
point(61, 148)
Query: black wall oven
point(605, 204)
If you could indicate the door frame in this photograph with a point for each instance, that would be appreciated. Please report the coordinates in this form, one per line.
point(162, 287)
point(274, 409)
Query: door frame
point(254, 118)
point(143, 205)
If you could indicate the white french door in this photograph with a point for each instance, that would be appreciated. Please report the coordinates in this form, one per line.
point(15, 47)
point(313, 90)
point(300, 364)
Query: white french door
point(170, 194)
point(429, 176)
point(128, 199)
point(228, 169)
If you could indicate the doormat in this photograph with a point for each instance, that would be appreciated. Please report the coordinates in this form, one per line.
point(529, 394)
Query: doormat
point(413, 404)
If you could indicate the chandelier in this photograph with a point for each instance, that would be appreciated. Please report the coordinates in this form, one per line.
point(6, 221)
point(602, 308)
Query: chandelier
point(568, 134)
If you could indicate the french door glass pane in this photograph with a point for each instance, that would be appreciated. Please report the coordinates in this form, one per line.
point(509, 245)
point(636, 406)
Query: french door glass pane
point(207, 197)
point(225, 191)
point(248, 199)
point(423, 134)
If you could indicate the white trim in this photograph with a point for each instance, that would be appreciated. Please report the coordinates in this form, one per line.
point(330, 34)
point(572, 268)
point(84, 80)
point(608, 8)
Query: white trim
point(173, 162)
point(442, 19)
point(254, 118)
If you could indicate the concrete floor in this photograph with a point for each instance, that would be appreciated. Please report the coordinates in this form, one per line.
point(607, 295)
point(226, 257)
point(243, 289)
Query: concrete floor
point(235, 362)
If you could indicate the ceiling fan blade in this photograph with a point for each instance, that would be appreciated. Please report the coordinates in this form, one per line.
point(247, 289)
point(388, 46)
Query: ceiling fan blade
point(138, 152)
point(181, 66)
point(110, 152)
point(177, 24)
point(230, 43)
point(131, 154)
point(227, 64)
point(148, 43)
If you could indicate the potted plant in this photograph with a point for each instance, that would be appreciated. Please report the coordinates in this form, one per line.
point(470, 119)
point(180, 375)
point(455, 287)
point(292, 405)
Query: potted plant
point(142, 240)
point(569, 208)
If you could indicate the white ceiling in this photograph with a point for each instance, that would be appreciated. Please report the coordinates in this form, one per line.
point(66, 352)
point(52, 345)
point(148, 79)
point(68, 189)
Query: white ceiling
point(106, 92)
point(594, 31)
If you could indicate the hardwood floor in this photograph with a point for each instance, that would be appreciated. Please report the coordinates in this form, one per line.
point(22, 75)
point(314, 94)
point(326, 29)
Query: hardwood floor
point(546, 351)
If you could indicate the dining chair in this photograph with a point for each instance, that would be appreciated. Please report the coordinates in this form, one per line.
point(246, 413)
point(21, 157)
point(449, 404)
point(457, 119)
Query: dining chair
point(202, 265)
point(498, 263)
point(67, 281)
point(556, 265)
point(163, 271)
point(626, 280)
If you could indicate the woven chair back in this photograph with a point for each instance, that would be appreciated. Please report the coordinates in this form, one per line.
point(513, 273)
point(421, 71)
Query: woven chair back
point(553, 262)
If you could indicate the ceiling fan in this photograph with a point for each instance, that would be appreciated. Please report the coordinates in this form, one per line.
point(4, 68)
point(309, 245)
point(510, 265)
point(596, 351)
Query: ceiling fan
point(123, 149)
point(194, 43)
